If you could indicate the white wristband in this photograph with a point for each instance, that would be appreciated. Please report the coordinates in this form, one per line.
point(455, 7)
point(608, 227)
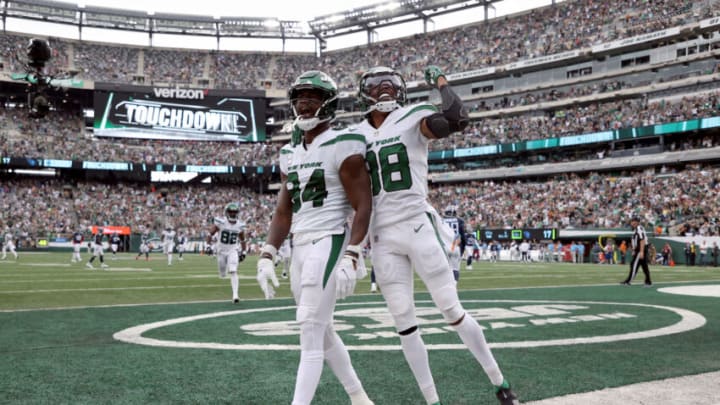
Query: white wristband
point(269, 249)
point(355, 249)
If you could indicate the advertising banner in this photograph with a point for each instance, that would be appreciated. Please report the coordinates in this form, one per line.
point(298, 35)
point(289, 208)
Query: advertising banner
point(178, 114)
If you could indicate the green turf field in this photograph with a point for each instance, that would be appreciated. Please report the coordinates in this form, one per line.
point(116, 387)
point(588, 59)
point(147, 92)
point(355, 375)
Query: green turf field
point(554, 328)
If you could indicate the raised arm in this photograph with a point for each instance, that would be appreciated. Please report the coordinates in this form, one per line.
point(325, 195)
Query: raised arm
point(454, 116)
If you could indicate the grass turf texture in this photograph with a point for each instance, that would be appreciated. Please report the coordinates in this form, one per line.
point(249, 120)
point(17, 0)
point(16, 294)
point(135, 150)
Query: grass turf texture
point(69, 355)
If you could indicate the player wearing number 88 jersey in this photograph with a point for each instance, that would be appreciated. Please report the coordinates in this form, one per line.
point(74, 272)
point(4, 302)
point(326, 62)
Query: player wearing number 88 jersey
point(231, 232)
point(405, 230)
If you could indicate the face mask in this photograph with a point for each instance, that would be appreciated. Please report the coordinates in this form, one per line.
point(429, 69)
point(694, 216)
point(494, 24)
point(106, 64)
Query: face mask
point(385, 106)
point(306, 124)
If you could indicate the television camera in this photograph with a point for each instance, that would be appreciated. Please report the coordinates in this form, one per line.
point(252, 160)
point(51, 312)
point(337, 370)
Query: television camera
point(38, 54)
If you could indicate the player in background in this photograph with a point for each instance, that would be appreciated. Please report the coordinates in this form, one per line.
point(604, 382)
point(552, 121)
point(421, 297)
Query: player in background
point(471, 244)
point(97, 245)
point(373, 280)
point(77, 240)
point(115, 242)
point(457, 247)
point(231, 231)
point(283, 256)
point(495, 248)
point(9, 244)
point(525, 251)
point(455, 257)
point(168, 241)
point(406, 231)
point(181, 242)
point(144, 245)
point(324, 179)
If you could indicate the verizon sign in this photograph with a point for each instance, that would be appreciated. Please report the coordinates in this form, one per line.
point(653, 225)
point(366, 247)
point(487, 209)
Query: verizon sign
point(178, 93)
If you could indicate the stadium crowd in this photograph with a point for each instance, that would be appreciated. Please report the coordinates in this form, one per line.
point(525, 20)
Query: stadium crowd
point(672, 200)
point(61, 136)
point(54, 207)
point(576, 120)
point(569, 25)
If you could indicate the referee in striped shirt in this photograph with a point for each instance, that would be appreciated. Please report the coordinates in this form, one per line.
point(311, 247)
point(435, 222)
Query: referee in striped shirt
point(640, 252)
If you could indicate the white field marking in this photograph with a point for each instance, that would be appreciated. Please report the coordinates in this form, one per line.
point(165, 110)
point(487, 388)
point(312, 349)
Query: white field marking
point(113, 268)
point(689, 321)
point(570, 286)
point(86, 271)
point(43, 264)
point(129, 305)
point(365, 295)
point(686, 390)
point(201, 276)
point(110, 289)
point(712, 290)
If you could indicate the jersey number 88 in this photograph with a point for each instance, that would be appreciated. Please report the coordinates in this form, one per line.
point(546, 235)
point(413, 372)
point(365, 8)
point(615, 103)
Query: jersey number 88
point(394, 168)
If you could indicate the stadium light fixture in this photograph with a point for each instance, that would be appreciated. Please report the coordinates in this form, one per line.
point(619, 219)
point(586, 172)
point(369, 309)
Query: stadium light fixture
point(163, 177)
point(271, 23)
point(387, 7)
point(32, 172)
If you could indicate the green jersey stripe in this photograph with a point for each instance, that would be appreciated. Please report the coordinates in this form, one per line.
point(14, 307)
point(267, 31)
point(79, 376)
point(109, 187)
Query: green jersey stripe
point(337, 244)
point(345, 137)
point(418, 108)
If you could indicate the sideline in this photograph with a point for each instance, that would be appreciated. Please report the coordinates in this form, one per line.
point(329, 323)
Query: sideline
point(687, 390)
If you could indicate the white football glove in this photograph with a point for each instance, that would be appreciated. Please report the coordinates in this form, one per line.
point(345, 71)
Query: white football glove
point(266, 271)
point(360, 263)
point(345, 277)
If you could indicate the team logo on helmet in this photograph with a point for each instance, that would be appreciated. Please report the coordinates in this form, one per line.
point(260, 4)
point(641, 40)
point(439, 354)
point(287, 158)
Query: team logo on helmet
point(317, 81)
point(232, 210)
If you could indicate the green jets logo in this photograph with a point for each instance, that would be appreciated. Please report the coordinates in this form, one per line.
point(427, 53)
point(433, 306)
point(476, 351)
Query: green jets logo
point(368, 325)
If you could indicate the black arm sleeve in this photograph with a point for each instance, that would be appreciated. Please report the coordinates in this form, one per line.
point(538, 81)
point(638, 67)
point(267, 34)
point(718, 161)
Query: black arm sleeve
point(453, 109)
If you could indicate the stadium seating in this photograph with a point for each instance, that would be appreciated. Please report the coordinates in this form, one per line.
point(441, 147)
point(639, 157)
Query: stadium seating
point(546, 195)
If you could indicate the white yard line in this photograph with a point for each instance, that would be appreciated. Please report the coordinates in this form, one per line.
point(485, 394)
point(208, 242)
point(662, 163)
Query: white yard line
point(688, 390)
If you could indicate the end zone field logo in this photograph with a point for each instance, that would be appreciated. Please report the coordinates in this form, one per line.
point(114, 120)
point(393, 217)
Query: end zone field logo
point(368, 325)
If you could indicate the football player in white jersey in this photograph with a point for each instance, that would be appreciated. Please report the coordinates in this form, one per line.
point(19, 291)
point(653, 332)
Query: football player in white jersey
point(231, 232)
point(9, 244)
point(323, 180)
point(457, 247)
point(168, 241)
point(397, 158)
point(115, 242)
point(182, 241)
point(77, 240)
point(98, 250)
point(144, 245)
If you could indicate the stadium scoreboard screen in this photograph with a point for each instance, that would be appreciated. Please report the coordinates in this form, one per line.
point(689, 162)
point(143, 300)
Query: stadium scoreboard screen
point(518, 234)
point(178, 114)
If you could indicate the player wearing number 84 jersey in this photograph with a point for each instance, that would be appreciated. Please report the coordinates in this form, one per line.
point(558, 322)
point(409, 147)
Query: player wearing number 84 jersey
point(324, 179)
